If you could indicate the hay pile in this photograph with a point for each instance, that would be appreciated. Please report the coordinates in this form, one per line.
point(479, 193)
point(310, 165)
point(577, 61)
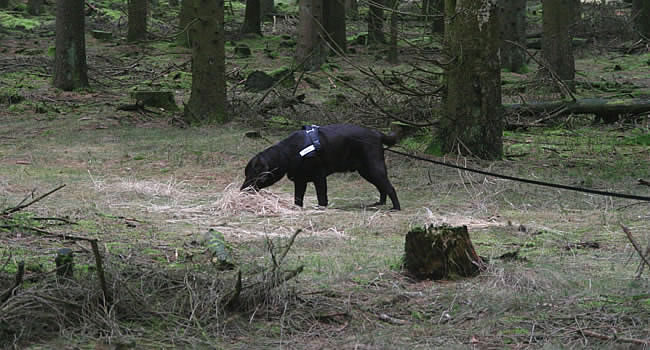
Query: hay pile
point(234, 202)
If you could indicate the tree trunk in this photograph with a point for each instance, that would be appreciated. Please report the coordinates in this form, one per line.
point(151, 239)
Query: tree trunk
point(334, 17)
point(434, 10)
point(252, 18)
point(4, 4)
point(207, 102)
point(394, 21)
point(267, 7)
point(310, 51)
point(137, 21)
point(70, 71)
point(34, 7)
point(513, 28)
point(183, 38)
point(352, 9)
point(473, 122)
point(558, 15)
point(173, 3)
point(442, 252)
point(376, 22)
point(641, 15)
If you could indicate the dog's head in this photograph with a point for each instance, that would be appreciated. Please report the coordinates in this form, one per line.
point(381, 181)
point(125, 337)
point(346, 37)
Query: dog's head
point(260, 173)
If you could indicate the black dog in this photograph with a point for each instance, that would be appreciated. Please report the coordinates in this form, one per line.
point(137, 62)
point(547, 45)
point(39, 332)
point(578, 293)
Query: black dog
point(330, 149)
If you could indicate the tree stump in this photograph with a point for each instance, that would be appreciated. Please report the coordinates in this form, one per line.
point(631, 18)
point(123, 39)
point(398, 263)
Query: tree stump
point(162, 99)
point(258, 81)
point(441, 252)
point(101, 35)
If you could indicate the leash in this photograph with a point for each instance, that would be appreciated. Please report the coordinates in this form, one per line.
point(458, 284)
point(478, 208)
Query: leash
point(519, 179)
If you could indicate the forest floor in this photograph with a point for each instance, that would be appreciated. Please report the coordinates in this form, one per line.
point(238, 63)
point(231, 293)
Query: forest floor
point(150, 188)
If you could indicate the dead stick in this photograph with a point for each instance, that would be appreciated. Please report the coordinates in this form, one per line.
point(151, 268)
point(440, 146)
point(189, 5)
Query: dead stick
point(286, 249)
point(635, 244)
point(44, 232)
point(619, 339)
point(100, 269)
point(19, 207)
point(554, 75)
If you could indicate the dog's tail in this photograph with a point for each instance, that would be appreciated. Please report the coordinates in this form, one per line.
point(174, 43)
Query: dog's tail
point(390, 139)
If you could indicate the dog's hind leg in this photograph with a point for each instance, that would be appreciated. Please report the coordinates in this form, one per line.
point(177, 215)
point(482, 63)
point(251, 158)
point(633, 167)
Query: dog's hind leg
point(378, 177)
point(320, 182)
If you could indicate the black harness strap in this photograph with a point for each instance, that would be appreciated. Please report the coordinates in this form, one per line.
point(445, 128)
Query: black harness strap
point(312, 142)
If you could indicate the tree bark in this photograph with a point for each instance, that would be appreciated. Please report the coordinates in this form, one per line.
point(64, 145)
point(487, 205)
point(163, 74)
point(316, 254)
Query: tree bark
point(34, 7)
point(334, 17)
point(512, 14)
point(137, 22)
point(376, 22)
point(352, 9)
point(207, 102)
point(70, 70)
point(641, 15)
point(252, 18)
point(557, 50)
point(473, 121)
point(310, 51)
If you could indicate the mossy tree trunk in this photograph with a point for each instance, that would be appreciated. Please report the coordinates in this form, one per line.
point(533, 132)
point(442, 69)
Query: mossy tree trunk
point(207, 102)
point(137, 22)
point(70, 70)
point(334, 17)
point(641, 15)
point(252, 18)
point(513, 28)
point(473, 120)
point(442, 252)
point(557, 50)
point(376, 22)
point(311, 51)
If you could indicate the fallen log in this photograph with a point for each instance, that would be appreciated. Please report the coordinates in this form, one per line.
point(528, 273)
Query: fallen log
point(604, 109)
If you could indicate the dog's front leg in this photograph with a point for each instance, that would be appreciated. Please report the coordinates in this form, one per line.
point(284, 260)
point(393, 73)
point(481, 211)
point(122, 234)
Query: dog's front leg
point(300, 186)
point(321, 190)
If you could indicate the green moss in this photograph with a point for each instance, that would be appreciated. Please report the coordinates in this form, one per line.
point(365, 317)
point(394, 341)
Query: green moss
point(10, 21)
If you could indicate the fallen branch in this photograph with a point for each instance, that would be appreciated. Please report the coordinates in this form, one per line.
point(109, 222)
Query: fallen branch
point(614, 338)
point(23, 206)
point(392, 320)
point(100, 270)
point(636, 246)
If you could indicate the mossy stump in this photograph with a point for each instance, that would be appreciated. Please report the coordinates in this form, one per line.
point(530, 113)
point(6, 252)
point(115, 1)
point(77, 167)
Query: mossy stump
point(101, 35)
point(440, 252)
point(161, 99)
